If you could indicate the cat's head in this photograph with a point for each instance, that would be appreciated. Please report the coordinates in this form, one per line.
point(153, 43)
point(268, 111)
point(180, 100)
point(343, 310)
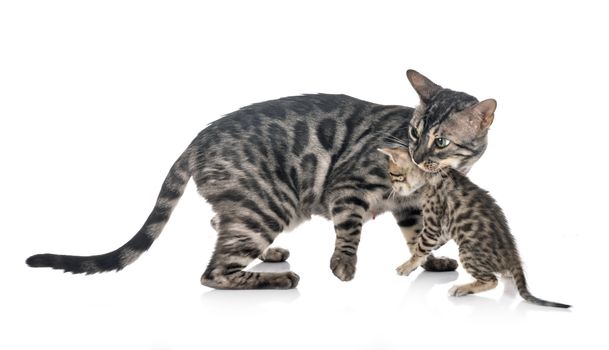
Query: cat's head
point(448, 128)
point(405, 177)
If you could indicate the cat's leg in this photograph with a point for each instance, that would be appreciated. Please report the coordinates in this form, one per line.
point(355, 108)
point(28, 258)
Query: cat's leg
point(476, 266)
point(347, 216)
point(481, 284)
point(410, 223)
point(240, 241)
point(275, 254)
point(271, 254)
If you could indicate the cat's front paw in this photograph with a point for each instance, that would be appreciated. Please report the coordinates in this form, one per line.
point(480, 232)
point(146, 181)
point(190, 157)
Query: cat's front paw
point(343, 266)
point(275, 254)
point(406, 268)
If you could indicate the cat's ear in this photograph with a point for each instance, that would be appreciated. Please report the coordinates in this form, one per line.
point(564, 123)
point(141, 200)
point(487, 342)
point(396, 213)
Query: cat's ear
point(485, 111)
point(393, 153)
point(423, 86)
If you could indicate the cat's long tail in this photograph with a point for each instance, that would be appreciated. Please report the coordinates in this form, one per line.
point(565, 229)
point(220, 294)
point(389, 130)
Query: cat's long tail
point(521, 284)
point(171, 191)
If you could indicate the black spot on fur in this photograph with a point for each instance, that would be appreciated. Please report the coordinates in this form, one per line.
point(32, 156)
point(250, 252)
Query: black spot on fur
point(269, 221)
point(140, 242)
point(354, 201)
point(466, 227)
point(378, 172)
point(325, 133)
point(228, 195)
point(338, 209)
point(348, 225)
point(408, 222)
point(301, 137)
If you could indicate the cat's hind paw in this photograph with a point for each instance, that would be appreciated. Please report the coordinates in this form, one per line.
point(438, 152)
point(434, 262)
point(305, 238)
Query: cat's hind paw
point(440, 264)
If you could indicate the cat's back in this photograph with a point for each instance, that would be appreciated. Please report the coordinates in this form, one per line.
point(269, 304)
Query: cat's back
point(287, 111)
point(296, 148)
point(296, 124)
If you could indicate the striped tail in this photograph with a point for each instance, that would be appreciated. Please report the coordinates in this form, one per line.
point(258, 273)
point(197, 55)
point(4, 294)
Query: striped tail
point(171, 191)
point(521, 284)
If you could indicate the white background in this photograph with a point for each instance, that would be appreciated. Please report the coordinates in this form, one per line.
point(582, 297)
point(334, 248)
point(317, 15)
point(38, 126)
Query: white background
point(97, 99)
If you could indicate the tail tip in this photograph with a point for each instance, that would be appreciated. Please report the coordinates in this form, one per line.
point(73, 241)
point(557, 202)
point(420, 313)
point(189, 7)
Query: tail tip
point(38, 260)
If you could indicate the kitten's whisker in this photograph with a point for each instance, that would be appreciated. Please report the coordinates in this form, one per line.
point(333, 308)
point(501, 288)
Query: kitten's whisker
point(392, 194)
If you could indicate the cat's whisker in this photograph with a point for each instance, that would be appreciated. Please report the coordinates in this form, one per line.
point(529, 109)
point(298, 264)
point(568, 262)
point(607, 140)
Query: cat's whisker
point(395, 139)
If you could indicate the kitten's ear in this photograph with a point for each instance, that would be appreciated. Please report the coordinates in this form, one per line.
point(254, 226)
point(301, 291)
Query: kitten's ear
point(423, 86)
point(393, 155)
point(485, 110)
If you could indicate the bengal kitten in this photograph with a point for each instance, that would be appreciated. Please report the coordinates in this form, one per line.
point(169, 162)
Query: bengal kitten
point(455, 208)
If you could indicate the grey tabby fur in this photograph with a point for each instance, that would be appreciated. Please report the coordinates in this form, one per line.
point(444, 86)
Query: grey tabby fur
point(270, 166)
point(455, 208)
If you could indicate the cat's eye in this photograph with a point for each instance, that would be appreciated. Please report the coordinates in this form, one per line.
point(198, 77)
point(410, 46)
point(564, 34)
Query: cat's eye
point(414, 134)
point(442, 142)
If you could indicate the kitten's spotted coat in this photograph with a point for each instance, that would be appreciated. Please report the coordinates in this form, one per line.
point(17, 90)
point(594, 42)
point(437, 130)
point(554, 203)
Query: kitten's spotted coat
point(455, 208)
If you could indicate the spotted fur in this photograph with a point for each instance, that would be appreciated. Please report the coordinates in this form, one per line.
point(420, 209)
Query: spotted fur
point(270, 166)
point(455, 208)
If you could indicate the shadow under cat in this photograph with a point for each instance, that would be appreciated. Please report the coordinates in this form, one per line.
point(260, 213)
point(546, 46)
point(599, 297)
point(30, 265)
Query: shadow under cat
point(252, 298)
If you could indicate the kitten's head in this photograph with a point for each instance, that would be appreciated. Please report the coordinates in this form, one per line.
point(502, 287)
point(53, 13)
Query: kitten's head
point(448, 128)
point(405, 176)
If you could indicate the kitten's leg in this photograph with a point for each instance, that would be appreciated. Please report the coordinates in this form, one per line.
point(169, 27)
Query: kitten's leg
point(422, 247)
point(347, 215)
point(409, 220)
point(427, 241)
point(481, 284)
point(240, 241)
point(275, 254)
point(415, 261)
point(476, 266)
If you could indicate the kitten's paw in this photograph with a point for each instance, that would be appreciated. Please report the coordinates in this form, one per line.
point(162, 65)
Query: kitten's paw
point(459, 291)
point(440, 264)
point(406, 268)
point(343, 266)
point(275, 254)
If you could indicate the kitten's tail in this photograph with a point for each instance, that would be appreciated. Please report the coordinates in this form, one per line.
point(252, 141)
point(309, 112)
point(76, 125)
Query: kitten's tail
point(521, 284)
point(171, 191)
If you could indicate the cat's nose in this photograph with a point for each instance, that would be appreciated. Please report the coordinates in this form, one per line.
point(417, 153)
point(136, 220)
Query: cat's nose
point(418, 156)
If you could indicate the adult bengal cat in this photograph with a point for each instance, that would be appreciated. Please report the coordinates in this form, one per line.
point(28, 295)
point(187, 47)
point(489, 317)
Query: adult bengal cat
point(268, 167)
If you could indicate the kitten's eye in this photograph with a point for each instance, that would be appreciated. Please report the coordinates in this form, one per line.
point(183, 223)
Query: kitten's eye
point(396, 177)
point(414, 134)
point(442, 142)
